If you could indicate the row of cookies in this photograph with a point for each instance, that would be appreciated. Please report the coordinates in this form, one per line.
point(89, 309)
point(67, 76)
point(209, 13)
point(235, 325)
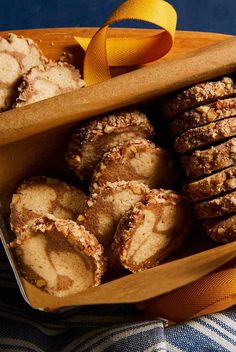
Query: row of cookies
point(203, 122)
point(27, 76)
point(64, 237)
point(116, 156)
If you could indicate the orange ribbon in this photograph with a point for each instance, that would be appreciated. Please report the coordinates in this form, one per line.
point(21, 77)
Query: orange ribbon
point(102, 52)
point(217, 290)
point(213, 293)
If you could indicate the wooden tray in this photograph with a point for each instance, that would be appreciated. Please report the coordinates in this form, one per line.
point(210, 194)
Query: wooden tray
point(132, 288)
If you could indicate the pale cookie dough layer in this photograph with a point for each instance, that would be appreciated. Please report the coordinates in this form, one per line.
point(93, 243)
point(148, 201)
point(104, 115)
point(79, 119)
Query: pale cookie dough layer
point(153, 229)
point(46, 81)
point(107, 205)
point(138, 161)
point(206, 135)
point(59, 257)
point(213, 185)
point(198, 95)
point(205, 162)
point(221, 230)
point(204, 115)
point(93, 139)
point(39, 196)
point(17, 56)
point(216, 207)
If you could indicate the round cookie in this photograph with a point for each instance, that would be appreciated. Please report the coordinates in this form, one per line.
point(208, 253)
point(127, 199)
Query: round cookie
point(107, 205)
point(205, 162)
point(59, 256)
point(46, 81)
point(96, 137)
point(140, 161)
point(39, 196)
point(198, 94)
point(151, 230)
point(206, 135)
point(212, 185)
point(204, 115)
point(17, 56)
point(222, 230)
point(217, 207)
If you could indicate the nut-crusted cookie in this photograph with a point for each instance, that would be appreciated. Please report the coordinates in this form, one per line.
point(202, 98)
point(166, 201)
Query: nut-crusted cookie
point(203, 115)
point(107, 205)
point(212, 185)
point(222, 229)
point(206, 135)
point(199, 94)
point(140, 161)
point(59, 256)
point(93, 139)
point(153, 229)
point(39, 196)
point(17, 56)
point(46, 81)
point(216, 207)
point(205, 162)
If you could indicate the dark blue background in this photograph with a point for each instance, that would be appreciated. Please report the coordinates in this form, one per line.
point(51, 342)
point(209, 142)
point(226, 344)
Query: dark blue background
point(201, 15)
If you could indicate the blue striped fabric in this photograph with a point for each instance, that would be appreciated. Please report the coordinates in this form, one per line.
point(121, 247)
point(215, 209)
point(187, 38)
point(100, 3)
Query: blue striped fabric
point(104, 328)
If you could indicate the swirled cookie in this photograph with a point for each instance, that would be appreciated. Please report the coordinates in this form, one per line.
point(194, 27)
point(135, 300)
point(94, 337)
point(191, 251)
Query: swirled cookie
point(106, 206)
point(203, 115)
point(205, 162)
point(151, 230)
point(206, 135)
point(222, 230)
point(39, 196)
point(96, 137)
point(140, 161)
point(46, 81)
point(213, 185)
point(17, 56)
point(217, 207)
point(197, 95)
point(59, 256)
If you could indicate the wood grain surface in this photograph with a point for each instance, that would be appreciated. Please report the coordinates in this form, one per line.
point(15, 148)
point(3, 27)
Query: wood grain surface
point(55, 41)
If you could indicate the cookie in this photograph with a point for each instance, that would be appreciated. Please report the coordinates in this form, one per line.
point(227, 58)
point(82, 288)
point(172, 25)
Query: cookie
point(205, 162)
point(204, 115)
point(206, 135)
point(39, 196)
point(217, 207)
point(59, 256)
point(17, 56)
point(98, 136)
point(222, 230)
point(107, 205)
point(222, 181)
point(138, 161)
point(151, 230)
point(197, 95)
point(46, 81)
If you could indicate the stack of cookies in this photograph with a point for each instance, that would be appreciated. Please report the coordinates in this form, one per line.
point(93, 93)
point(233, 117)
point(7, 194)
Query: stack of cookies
point(203, 122)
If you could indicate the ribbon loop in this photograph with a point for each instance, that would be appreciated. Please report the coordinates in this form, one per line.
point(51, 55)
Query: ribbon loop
point(131, 51)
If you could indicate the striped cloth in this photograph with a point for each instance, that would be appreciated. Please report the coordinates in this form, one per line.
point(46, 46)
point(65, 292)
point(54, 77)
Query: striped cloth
point(104, 328)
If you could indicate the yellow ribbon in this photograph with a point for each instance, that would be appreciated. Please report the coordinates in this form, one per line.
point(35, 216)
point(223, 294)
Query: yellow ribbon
point(102, 52)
